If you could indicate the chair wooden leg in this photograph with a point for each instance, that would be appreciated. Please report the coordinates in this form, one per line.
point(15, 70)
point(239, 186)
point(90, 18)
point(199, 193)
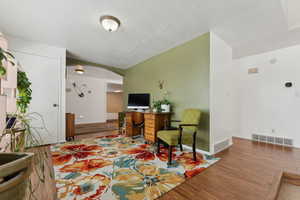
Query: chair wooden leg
point(194, 148)
point(170, 155)
point(194, 151)
point(158, 146)
point(180, 140)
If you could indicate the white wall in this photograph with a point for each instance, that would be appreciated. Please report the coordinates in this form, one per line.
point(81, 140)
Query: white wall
point(92, 107)
point(222, 93)
point(265, 105)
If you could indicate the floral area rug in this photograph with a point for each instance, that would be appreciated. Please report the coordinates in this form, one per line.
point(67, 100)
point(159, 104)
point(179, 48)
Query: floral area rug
point(117, 167)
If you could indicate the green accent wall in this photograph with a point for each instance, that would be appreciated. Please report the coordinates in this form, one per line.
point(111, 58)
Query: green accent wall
point(185, 72)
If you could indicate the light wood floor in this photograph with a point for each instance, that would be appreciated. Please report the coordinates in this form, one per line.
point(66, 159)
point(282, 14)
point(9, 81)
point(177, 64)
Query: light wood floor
point(84, 129)
point(247, 171)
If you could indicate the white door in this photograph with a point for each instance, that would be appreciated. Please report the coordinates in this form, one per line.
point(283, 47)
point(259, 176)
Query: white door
point(45, 76)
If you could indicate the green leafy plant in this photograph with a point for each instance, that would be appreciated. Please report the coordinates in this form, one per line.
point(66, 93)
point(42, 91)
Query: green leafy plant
point(5, 56)
point(24, 97)
point(165, 102)
point(157, 105)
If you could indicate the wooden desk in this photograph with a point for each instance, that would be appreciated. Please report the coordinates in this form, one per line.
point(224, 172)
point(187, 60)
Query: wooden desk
point(153, 123)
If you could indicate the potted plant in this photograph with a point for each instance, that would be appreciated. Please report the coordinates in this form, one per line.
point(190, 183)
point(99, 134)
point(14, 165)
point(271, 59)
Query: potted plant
point(5, 56)
point(165, 105)
point(156, 106)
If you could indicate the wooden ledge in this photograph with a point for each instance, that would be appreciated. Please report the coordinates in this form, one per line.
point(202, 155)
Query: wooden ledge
point(279, 177)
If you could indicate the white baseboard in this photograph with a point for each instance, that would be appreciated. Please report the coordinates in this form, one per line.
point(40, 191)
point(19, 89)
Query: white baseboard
point(222, 145)
point(197, 150)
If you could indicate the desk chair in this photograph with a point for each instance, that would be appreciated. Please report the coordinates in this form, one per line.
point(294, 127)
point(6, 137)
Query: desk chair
point(138, 121)
point(186, 133)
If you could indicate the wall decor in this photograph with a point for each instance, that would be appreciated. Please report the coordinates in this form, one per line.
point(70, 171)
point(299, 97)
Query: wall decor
point(78, 90)
point(161, 84)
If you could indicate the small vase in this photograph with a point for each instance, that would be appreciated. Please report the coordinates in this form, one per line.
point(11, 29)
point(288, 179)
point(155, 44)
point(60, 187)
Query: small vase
point(165, 108)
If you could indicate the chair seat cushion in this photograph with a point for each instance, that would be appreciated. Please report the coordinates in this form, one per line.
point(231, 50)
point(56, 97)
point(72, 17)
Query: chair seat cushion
point(171, 137)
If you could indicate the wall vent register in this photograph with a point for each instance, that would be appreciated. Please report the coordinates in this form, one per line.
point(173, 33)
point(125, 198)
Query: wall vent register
point(273, 140)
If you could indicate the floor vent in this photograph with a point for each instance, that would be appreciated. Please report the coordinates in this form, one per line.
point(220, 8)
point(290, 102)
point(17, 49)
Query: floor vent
point(288, 142)
point(273, 140)
point(221, 146)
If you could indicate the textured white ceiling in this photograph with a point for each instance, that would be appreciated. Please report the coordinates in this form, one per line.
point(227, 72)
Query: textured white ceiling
point(148, 28)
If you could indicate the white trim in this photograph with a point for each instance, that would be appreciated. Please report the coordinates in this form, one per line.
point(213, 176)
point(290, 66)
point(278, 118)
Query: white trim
point(229, 138)
point(242, 137)
point(61, 134)
point(230, 144)
point(211, 83)
point(197, 150)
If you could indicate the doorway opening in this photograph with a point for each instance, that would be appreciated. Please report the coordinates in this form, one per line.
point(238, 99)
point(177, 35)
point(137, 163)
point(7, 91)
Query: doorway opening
point(114, 103)
point(93, 100)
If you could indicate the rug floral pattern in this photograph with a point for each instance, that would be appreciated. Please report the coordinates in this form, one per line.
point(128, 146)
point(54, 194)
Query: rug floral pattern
point(116, 167)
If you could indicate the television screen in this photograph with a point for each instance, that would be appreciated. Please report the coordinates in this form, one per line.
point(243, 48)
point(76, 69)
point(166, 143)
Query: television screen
point(139, 101)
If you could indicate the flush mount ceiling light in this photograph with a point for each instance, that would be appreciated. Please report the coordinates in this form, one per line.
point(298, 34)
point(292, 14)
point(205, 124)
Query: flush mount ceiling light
point(110, 23)
point(79, 69)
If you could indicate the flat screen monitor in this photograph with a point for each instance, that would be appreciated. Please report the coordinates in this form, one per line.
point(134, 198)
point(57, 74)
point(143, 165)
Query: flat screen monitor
point(138, 101)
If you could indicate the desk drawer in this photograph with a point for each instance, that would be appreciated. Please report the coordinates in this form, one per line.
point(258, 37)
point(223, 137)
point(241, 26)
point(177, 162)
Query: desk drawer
point(149, 130)
point(149, 123)
point(149, 116)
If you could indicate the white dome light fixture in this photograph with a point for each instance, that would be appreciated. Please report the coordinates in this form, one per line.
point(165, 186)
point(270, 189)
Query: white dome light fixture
point(110, 23)
point(79, 69)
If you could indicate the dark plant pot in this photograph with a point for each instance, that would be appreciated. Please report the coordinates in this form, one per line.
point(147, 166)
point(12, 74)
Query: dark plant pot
point(15, 169)
point(10, 121)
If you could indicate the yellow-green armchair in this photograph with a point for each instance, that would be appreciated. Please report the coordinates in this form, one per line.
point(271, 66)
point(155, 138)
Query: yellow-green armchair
point(186, 134)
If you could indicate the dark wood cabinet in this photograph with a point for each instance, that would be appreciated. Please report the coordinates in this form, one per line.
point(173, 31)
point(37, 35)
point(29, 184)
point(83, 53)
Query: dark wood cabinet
point(70, 126)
